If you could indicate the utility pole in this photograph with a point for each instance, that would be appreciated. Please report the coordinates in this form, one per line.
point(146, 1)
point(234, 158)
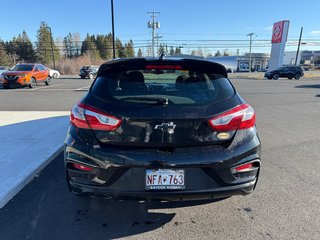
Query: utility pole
point(250, 35)
point(113, 41)
point(297, 54)
point(158, 37)
point(153, 24)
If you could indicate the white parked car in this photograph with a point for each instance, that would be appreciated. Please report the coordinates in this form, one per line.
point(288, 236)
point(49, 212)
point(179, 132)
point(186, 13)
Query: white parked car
point(3, 69)
point(53, 73)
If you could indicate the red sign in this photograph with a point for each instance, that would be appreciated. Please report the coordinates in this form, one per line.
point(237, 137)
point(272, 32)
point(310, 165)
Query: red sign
point(277, 32)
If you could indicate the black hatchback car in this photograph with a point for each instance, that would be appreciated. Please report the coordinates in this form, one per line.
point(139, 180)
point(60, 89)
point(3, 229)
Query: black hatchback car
point(289, 72)
point(165, 129)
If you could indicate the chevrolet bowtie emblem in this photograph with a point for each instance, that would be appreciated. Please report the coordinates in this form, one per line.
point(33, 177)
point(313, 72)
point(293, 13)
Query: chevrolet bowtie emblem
point(168, 127)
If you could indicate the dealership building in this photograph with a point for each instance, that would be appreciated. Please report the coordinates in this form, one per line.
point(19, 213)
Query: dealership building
point(261, 60)
point(241, 63)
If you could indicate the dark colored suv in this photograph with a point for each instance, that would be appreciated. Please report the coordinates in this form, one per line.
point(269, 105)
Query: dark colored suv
point(289, 72)
point(88, 72)
point(165, 129)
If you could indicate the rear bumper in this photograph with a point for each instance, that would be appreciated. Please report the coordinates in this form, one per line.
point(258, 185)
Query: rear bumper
point(182, 195)
point(121, 172)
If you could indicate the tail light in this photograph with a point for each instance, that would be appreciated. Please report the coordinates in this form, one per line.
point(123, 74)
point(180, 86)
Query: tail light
point(82, 167)
point(246, 168)
point(240, 117)
point(84, 116)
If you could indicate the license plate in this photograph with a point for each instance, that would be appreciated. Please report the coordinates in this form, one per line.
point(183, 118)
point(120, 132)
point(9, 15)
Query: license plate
point(162, 179)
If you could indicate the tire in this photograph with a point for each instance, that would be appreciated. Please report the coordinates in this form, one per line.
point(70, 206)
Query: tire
point(48, 81)
point(91, 76)
point(290, 77)
point(55, 75)
point(83, 77)
point(33, 83)
point(275, 77)
point(269, 78)
point(6, 86)
point(297, 76)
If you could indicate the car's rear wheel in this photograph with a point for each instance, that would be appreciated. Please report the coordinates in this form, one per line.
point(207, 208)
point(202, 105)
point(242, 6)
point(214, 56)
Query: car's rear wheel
point(33, 83)
point(297, 76)
point(55, 75)
point(48, 81)
point(269, 78)
point(83, 77)
point(290, 77)
point(276, 77)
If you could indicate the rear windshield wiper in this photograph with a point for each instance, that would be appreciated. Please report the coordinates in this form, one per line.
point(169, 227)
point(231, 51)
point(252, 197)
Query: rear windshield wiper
point(156, 100)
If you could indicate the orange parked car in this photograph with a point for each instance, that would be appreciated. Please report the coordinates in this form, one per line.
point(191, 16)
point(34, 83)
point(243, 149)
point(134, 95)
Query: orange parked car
point(26, 74)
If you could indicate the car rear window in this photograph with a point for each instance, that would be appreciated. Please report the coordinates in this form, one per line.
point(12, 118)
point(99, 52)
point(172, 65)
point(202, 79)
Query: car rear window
point(162, 86)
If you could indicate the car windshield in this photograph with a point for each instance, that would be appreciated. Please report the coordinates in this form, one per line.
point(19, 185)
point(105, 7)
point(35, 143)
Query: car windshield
point(164, 87)
point(23, 67)
point(88, 68)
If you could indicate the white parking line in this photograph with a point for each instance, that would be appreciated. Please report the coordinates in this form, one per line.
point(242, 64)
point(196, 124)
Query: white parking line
point(83, 88)
point(45, 87)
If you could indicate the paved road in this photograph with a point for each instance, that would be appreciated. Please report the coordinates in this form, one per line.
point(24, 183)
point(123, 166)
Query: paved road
point(285, 204)
point(60, 96)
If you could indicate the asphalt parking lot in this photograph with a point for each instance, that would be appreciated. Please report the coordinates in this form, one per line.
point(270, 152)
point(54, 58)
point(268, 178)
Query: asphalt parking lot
point(285, 204)
point(61, 95)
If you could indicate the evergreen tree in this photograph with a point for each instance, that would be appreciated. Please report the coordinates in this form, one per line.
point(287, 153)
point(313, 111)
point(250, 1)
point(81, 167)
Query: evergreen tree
point(161, 49)
point(121, 51)
point(130, 49)
point(4, 58)
point(89, 48)
point(24, 48)
point(44, 50)
point(217, 54)
point(11, 51)
point(209, 55)
point(104, 46)
point(68, 43)
point(21, 49)
point(171, 51)
point(177, 51)
point(139, 54)
point(226, 53)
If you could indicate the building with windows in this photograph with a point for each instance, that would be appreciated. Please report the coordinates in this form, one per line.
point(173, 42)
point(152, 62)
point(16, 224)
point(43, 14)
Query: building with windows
point(241, 63)
point(310, 59)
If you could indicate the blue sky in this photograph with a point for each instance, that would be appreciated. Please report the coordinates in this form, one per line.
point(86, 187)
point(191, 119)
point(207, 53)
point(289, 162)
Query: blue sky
point(180, 19)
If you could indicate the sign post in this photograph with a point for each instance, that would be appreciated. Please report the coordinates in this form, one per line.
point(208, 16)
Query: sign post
point(279, 39)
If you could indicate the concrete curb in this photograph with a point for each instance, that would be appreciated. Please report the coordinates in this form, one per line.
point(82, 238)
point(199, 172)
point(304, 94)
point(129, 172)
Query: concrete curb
point(27, 178)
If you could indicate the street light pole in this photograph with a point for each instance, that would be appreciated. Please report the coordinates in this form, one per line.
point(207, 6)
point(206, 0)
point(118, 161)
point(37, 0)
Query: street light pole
point(113, 41)
point(52, 52)
point(250, 35)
